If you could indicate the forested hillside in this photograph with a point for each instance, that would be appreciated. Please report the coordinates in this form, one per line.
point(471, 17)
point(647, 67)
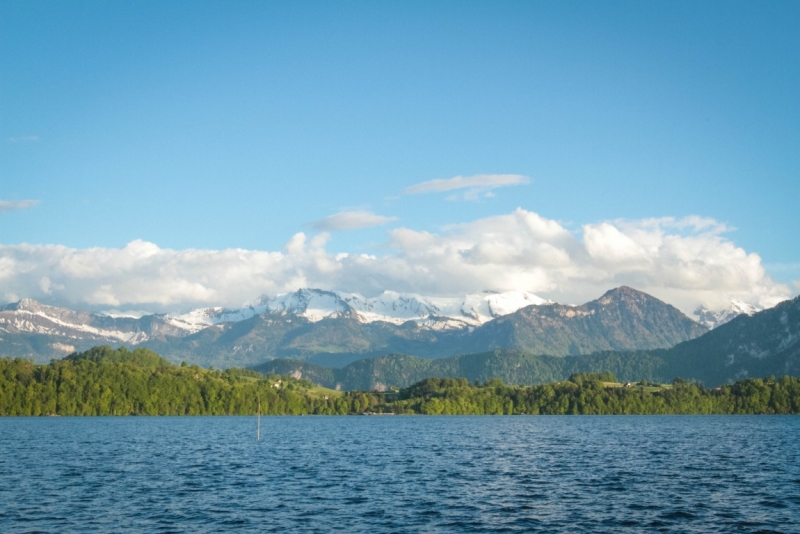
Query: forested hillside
point(511, 366)
point(104, 381)
point(598, 394)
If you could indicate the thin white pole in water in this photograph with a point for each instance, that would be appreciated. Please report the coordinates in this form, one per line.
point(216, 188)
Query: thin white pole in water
point(258, 431)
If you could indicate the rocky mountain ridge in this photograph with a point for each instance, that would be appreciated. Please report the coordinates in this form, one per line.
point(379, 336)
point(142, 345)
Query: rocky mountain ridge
point(749, 346)
point(324, 328)
point(31, 317)
point(439, 313)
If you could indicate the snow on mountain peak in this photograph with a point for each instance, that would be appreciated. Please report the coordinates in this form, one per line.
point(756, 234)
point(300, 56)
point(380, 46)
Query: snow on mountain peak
point(744, 307)
point(29, 316)
point(714, 318)
point(437, 313)
point(314, 304)
point(498, 304)
point(389, 306)
point(196, 320)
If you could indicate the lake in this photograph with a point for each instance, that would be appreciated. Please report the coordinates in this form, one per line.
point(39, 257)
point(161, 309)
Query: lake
point(401, 474)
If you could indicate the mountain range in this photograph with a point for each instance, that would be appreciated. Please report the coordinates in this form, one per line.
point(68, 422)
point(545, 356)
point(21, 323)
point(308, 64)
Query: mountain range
point(335, 329)
point(347, 341)
point(437, 313)
point(759, 345)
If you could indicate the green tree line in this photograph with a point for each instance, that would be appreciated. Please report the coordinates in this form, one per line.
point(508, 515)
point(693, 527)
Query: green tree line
point(597, 394)
point(104, 381)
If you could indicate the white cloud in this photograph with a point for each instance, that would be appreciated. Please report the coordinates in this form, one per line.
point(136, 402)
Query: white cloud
point(477, 186)
point(606, 244)
point(12, 205)
point(45, 285)
point(685, 262)
point(24, 139)
point(351, 220)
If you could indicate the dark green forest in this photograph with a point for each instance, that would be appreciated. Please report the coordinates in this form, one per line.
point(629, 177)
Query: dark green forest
point(596, 394)
point(105, 381)
point(512, 366)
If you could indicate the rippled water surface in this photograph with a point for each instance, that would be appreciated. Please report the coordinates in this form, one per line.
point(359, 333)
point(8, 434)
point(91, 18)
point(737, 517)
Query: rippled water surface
point(401, 474)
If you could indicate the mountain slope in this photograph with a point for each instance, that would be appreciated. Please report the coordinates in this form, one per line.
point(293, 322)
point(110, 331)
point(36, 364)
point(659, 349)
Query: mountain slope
point(333, 341)
point(29, 316)
point(622, 319)
point(766, 343)
point(512, 366)
point(219, 336)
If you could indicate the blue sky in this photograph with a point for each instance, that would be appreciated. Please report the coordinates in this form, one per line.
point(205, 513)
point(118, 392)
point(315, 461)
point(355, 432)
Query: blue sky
point(218, 125)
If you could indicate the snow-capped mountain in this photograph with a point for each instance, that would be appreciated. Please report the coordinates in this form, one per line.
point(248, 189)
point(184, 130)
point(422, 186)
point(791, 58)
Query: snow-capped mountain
point(201, 318)
point(337, 328)
point(29, 316)
point(433, 313)
point(712, 319)
point(440, 313)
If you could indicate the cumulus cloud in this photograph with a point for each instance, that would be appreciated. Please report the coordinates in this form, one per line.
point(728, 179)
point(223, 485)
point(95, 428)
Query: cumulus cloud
point(685, 262)
point(476, 186)
point(351, 220)
point(12, 205)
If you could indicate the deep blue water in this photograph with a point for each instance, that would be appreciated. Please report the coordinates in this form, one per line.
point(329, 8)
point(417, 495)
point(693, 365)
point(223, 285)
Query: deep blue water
point(401, 474)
